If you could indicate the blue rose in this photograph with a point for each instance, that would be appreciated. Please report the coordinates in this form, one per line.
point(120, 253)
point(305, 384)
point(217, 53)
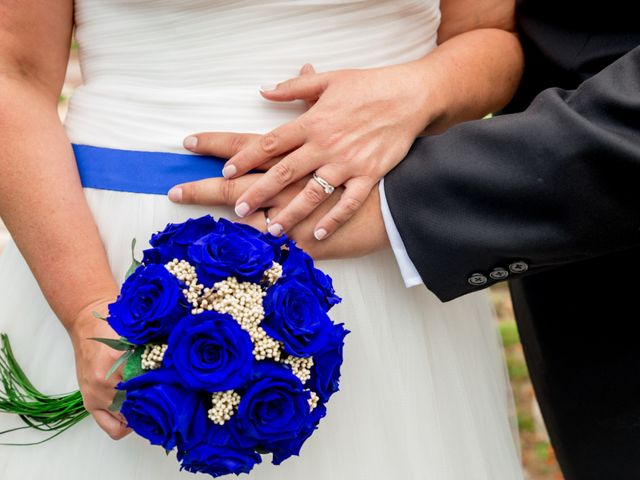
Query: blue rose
point(175, 239)
point(273, 408)
point(300, 265)
point(165, 415)
point(325, 373)
point(286, 448)
point(149, 305)
point(217, 455)
point(294, 315)
point(231, 250)
point(210, 352)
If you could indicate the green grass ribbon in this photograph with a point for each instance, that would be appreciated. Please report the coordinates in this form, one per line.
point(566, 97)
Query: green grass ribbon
point(47, 413)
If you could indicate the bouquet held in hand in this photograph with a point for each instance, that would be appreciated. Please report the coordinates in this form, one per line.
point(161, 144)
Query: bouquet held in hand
point(228, 351)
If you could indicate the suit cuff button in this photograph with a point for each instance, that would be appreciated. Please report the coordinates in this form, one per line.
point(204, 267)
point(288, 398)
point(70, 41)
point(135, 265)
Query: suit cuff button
point(477, 279)
point(518, 267)
point(499, 274)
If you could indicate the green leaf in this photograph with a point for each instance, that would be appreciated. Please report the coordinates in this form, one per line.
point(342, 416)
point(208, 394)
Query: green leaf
point(98, 316)
point(134, 263)
point(119, 399)
point(120, 344)
point(123, 358)
point(133, 367)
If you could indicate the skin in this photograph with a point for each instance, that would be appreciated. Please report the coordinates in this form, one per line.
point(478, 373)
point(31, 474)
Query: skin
point(358, 128)
point(41, 199)
point(362, 234)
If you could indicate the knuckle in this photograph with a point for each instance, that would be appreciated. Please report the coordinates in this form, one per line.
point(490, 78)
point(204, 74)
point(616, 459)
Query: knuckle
point(97, 377)
point(282, 172)
point(313, 123)
point(313, 196)
point(327, 140)
point(351, 205)
point(269, 142)
point(333, 220)
point(227, 190)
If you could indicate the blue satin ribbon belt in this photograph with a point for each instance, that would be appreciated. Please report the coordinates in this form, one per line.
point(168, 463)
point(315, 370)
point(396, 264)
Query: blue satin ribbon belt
point(141, 172)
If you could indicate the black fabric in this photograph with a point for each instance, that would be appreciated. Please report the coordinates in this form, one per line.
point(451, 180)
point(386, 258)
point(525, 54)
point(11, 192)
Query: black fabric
point(580, 328)
point(555, 183)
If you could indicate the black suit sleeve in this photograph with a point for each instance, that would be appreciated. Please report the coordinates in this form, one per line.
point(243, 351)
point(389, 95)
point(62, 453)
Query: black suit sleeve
point(557, 183)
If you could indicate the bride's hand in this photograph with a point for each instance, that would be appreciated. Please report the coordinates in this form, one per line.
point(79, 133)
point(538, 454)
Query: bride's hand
point(93, 361)
point(360, 125)
point(364, 233)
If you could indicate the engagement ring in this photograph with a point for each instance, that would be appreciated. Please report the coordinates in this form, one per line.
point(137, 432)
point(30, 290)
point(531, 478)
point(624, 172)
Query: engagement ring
point(328, 188)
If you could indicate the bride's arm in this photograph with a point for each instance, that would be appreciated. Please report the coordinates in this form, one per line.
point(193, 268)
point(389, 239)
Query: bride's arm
point(41, 199)
point(363, 122)
point(479, 61)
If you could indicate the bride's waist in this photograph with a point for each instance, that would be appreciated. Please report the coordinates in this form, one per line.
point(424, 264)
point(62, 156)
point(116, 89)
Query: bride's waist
point(157, 119)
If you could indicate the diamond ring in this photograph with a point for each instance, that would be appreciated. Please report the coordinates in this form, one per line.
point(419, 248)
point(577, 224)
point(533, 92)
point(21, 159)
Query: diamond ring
point(328, 188)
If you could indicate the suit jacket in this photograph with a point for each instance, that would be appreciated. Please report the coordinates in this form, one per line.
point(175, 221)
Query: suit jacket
point(553, 181)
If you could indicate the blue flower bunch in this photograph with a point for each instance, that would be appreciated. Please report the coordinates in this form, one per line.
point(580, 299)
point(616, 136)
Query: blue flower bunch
point(230, 353)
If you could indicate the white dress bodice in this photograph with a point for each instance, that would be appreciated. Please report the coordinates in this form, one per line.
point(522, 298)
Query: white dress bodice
point(157, 70)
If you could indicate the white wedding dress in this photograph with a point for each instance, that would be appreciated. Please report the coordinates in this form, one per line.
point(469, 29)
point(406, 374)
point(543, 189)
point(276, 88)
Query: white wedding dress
point(424, 393)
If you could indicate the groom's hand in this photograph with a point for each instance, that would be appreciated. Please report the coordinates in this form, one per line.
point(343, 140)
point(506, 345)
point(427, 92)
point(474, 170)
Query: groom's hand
point(364, 233)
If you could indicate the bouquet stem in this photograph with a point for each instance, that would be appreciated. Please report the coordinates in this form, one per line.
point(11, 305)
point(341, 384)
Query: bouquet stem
point(47, 413)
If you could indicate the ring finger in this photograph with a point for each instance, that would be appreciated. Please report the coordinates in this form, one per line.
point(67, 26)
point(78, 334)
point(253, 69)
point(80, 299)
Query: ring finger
point(305, 202)
point(290, 169)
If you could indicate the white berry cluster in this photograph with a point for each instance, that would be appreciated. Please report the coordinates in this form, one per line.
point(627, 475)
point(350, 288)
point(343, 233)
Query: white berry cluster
point(223, 406)
point(186, 273)
point(313, 400)
point(243, 301)
point(301, 367)
point(152, 356)
point(272, 275)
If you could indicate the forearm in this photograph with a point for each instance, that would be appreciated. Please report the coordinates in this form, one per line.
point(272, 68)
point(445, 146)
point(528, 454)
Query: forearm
point(469, 76)
point(43, 205)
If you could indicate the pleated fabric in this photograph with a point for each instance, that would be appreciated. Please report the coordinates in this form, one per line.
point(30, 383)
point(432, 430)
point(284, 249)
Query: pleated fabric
point(424, 392)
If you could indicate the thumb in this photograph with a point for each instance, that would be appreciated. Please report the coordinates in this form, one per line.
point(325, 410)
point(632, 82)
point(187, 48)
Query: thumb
point(115, 428)
point(309, 86)
point(307, 69)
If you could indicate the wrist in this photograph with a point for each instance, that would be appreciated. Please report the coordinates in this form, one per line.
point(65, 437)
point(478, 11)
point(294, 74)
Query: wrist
point(429, 89)
point(85, 321)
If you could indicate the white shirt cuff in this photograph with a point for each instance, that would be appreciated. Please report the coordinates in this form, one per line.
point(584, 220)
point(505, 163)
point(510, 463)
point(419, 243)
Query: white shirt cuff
point(408, 270)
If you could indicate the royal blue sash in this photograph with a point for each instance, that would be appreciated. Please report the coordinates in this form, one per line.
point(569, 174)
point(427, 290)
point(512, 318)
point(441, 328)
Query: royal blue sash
point(141, 172)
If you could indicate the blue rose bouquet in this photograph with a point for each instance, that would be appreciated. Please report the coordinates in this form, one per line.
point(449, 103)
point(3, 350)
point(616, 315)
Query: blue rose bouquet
point(228, 351)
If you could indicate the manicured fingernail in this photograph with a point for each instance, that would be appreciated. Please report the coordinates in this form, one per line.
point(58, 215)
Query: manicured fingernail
point(229, 171)
point(268, 88)
point(190, 143)
point(242, 209)
point(320, 233)
point(175, 194)
point(275, 229)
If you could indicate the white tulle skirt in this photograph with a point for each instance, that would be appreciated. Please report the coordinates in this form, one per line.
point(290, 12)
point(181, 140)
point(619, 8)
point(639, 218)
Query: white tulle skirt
point(423, 395)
